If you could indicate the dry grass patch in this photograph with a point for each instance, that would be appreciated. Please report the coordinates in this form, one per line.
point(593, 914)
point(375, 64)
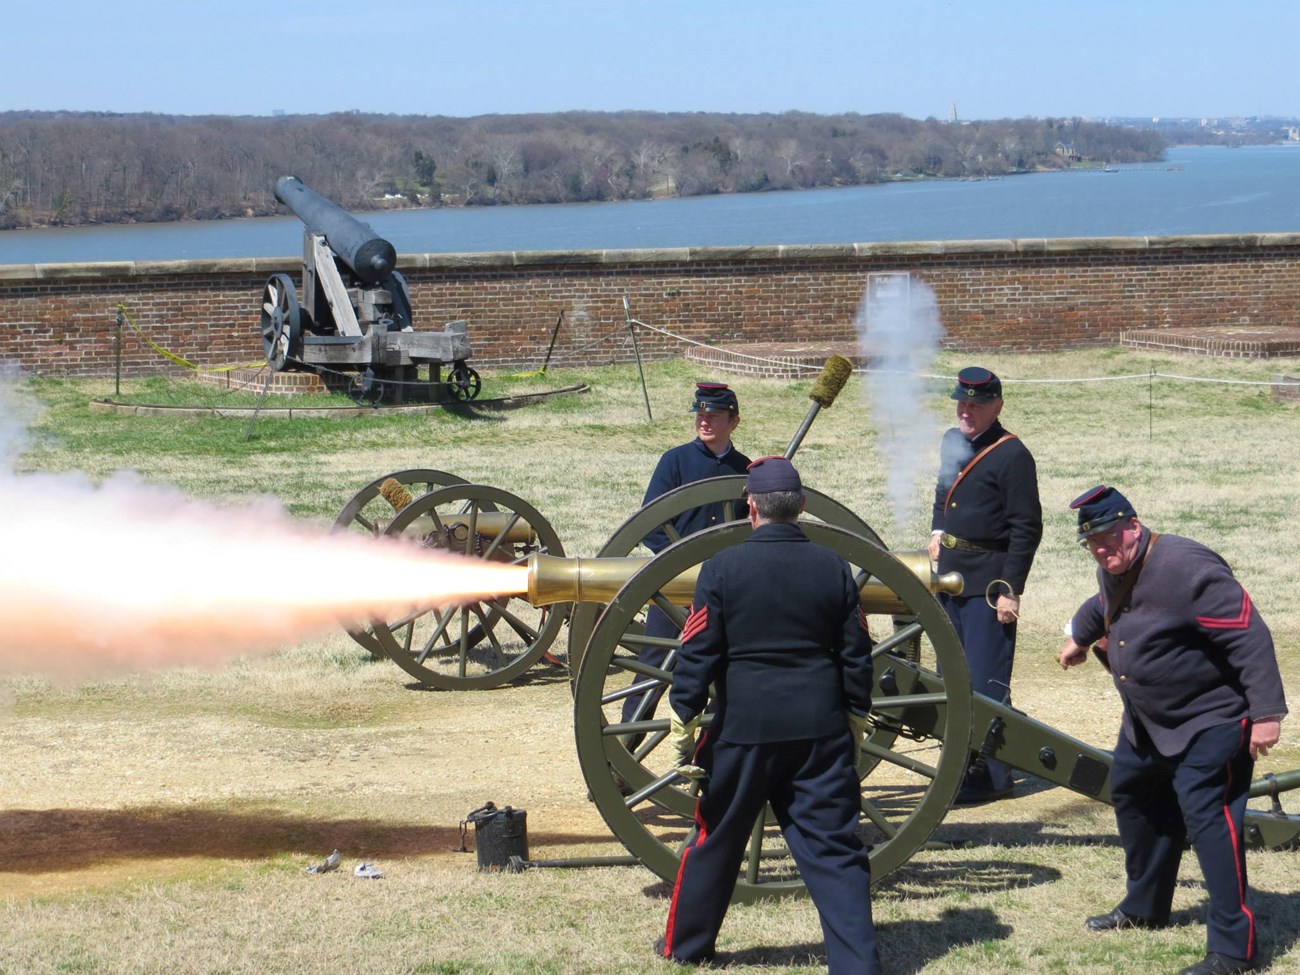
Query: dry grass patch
point(163, 822)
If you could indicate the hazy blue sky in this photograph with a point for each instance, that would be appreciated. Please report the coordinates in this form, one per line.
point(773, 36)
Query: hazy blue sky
point(993, 58)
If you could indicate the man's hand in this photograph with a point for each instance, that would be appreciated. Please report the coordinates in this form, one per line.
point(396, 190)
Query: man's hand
point(933, 547)
point(1264, 734)
point(857, 725)
point(1071, 654)
point(1008, 608)
point(681, 745)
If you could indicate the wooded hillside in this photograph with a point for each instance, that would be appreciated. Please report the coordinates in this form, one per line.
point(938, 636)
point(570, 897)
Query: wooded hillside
point(78, 168)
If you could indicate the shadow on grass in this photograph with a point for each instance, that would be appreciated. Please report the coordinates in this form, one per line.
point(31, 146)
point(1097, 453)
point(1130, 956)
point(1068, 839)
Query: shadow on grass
point(56, 840)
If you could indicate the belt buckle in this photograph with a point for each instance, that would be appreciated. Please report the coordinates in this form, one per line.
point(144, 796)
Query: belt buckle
point(948, 541)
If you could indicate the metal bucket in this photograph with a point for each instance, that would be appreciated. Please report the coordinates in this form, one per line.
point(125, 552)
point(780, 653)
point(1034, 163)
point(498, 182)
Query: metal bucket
point(499, 836)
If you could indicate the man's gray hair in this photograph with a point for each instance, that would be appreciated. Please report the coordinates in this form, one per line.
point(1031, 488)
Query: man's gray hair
point(778, 505)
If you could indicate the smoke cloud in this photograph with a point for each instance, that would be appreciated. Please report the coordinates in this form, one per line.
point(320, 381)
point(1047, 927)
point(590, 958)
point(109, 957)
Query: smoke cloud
point(899, 333)
point(126, 575)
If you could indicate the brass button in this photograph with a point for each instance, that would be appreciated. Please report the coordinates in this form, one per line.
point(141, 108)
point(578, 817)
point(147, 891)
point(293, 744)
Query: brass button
point(1121, 643)
point(1122, 677)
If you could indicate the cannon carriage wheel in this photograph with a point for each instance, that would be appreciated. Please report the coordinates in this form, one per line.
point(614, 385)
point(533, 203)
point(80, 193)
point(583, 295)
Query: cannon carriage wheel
point(463, 383)
point(663, 510)
point(369, 513)
point(487, 642)
point(281, 322)
point(907, 788)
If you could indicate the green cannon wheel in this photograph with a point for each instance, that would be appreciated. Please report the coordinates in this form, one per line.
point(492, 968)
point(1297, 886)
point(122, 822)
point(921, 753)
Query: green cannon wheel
point(663, 510)
point(907, 788)
point(487, 642)
point(369, 513)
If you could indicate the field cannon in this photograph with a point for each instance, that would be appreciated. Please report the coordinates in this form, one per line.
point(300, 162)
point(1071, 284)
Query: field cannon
point(355, 318)
point(489, 642)
point(925, 720)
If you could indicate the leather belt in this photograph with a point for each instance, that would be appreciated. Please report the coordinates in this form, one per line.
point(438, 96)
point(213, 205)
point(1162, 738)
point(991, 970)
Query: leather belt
point(952, 541)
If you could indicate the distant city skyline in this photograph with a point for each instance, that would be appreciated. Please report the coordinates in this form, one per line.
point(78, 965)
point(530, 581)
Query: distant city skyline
point(1009, 59)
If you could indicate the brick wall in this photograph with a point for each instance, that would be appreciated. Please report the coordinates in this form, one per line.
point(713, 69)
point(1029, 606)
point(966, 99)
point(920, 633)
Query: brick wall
point(1021, 295)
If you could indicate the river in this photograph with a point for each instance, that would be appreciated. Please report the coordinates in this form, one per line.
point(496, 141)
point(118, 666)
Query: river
point(1196, 190)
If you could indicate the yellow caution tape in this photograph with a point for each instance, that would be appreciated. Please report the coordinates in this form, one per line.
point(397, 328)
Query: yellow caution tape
point(181, 360)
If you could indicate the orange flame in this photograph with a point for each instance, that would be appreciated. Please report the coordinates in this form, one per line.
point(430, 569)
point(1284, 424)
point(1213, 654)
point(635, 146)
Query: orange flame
point(128, 576)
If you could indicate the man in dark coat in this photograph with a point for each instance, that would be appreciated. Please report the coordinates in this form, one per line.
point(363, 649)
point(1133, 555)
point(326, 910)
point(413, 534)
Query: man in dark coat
point(710, 454)
point(1195, 667)
point(777, 628)
point(987, 524)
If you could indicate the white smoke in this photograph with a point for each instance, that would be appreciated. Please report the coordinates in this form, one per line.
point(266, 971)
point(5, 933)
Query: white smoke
point(899, 333)
point(123, 575)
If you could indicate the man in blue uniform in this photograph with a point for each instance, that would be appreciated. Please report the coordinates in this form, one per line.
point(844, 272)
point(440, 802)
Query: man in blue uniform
point(1195, 667)
point(777, 627)
point(987, 524)
point(710, 454)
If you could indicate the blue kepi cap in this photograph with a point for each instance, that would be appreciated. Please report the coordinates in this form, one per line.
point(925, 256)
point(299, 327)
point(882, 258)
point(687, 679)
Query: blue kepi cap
point(770, 474)
point(976, 384)
point(1099, 509)
point(714, 398)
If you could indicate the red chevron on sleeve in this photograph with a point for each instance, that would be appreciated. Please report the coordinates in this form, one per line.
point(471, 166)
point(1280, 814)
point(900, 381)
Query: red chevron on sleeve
point(862, 620)
point(697, 621)
point(1238, 622)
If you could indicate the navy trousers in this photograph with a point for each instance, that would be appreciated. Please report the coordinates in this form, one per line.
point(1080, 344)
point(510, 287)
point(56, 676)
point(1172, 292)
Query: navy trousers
point(1200, 795)
point(990, 652)
point(815, 795)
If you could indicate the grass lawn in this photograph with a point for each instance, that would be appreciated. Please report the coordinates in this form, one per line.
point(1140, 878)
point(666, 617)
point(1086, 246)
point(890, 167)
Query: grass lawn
point(161, 820)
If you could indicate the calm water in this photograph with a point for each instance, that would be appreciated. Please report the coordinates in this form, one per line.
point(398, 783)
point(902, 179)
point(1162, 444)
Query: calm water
point(1201, 190)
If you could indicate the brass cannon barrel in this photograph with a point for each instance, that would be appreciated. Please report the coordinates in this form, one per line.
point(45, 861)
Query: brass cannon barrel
point(562, 580)
point(499, 526)
point(369, 256)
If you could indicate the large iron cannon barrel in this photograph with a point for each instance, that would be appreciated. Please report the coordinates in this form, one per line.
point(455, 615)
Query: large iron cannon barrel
point(370, 257)
point(575, 580)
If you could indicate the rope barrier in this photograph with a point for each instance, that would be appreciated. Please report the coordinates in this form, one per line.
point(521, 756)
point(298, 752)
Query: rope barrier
point(178, 359)
point(768, 360)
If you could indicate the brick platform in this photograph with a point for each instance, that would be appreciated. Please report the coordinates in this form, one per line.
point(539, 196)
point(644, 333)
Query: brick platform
point(1224, 341)
point(773, 360)
point(253, 380)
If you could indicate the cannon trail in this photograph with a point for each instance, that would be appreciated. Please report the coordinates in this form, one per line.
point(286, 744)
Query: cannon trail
point(126, 576)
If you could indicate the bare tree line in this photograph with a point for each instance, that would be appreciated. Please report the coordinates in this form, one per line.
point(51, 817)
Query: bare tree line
point(60, 168)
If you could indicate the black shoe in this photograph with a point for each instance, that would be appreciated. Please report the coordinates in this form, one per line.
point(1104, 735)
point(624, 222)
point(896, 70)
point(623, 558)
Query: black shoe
point(661, 950)
point(1217, 964)
point(976, 795)
point(1117, 920)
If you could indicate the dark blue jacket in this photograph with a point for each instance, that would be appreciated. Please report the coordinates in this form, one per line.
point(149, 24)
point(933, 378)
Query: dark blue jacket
point(995, 505)
point(1187, 648)
point(684, 465)
point(777, 627)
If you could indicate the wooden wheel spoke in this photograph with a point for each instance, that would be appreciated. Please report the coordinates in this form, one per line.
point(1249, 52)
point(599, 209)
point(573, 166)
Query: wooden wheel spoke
point(754, 855)
point(501, 535)
point(896, 639)
point(877, 818)
point(899, 759)
point(463, 655)
point(439, 633)
point(633, 689)
point(656, 785)
point(675, 613)
point(521, 628)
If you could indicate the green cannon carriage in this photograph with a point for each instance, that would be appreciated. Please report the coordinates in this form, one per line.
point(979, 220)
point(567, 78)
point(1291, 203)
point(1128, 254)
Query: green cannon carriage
point(925, 720)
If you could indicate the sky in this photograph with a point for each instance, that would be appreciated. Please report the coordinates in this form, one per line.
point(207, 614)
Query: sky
point(991, 58)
